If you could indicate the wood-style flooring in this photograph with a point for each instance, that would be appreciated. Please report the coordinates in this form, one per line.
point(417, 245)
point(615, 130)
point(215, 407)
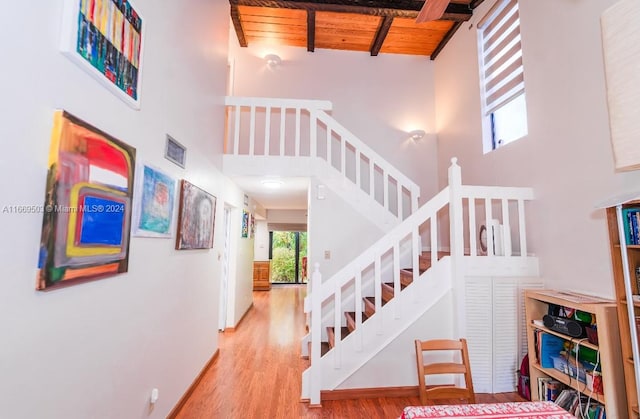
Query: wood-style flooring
point(257, 373)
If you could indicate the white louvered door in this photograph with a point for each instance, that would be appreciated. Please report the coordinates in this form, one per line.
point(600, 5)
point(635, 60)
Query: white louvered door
point(479, 336)
point(505, 334)
point(496, 330)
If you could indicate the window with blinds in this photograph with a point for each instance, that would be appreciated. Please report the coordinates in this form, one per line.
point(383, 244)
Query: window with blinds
point(502, 75)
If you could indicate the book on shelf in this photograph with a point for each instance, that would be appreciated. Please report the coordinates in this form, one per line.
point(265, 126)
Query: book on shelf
point(580, 405)
point(549, 389)
point(550, 345)
point(631, 217)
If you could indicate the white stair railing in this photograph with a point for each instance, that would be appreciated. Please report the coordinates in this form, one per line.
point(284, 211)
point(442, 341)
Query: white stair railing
point(382, 261)
point(302, 128)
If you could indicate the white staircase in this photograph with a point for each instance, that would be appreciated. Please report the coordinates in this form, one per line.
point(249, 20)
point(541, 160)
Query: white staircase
point(266, 135)
point(454, 208)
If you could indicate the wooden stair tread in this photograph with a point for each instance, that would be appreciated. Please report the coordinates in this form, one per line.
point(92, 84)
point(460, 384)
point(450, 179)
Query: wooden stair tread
point(369, 306)
point(391, 286)
point(324, 348)
point(387, 292)
point(332, 336)
point(372, 301)
point(410, 271)
point(351, 319)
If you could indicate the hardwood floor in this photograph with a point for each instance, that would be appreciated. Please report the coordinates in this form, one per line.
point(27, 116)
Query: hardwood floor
point(257, 373)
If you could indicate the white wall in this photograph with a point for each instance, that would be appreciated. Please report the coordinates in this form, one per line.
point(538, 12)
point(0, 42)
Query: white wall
point(97, 349)
point(261, 242)
point(344, 236)
point(287, 216)
point(379, 99)
point(395, 365)
point(566, 157)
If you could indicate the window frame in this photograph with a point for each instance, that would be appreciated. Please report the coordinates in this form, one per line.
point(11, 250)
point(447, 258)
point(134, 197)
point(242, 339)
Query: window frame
point(500, 12)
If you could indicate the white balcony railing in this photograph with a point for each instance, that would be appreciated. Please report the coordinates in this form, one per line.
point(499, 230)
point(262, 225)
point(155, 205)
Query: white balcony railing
point(302, 128)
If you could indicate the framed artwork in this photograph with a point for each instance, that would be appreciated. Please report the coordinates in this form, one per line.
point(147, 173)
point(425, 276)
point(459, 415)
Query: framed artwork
point(245, 224)
point(196, 218)
point(88, 199)
point(175, 152)
point(154, 203)
point(105, 38)
point(252, 225)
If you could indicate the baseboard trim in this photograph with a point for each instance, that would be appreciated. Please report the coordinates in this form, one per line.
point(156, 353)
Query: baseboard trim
point(233, 329)
point(174, 412)
point(369, 393)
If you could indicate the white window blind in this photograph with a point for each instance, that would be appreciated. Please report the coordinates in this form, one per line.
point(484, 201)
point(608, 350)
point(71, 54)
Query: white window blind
point(501, 55)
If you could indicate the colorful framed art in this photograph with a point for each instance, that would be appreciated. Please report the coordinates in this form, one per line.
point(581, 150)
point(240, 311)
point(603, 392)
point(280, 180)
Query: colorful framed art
point(196, 218)
point(87, 211)
point(245, 224)
point(106, 38)
point(155, 198)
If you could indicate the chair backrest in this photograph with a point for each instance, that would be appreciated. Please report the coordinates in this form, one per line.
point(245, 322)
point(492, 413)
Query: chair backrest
point(436, 392)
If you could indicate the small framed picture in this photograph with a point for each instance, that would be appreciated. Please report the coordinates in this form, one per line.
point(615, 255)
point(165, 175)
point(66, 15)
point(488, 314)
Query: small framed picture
point(175, 152)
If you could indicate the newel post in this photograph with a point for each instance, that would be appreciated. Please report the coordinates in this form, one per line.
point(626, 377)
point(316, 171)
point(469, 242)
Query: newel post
point(315, 380)
point(456, 244)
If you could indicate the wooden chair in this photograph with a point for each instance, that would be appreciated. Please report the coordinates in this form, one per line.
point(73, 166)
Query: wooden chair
point(444, 391)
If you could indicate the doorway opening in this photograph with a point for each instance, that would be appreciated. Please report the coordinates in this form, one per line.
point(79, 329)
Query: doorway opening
point(288, 255)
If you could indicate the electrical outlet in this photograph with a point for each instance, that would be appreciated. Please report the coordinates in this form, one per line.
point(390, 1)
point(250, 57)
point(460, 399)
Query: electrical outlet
point(327, 254)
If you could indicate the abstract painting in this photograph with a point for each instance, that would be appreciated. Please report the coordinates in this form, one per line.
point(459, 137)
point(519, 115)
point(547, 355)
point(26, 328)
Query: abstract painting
point(252, 225)
point(104, 37)
point(155, 197)
point(245, 224)
point(196, 218)
point(87, 212)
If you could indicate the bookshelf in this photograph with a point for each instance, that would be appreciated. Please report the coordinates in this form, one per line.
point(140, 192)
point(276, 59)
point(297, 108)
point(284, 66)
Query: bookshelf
point(625, 258)
point(537, 304)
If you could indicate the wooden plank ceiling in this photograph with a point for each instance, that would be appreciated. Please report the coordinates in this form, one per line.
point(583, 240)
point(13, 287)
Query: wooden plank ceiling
point(376, 26)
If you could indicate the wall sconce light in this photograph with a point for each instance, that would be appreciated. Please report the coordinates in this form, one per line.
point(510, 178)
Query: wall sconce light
point(417, 134)
point(272, 60)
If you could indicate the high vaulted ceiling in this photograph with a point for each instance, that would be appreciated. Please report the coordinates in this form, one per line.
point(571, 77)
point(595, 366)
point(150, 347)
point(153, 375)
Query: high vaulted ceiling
point(376, 26)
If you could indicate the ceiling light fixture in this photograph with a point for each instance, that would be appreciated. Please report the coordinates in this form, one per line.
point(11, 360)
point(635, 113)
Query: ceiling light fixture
point(272, 60)
point(272, 183)
point(417, 134)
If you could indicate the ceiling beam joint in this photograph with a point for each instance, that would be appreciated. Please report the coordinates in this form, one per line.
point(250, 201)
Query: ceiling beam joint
point(311, 30)
point(445, 39)
point(381, 34)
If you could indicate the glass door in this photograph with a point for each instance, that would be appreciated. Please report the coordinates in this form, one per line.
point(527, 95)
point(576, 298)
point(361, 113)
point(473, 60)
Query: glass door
point(288, 254)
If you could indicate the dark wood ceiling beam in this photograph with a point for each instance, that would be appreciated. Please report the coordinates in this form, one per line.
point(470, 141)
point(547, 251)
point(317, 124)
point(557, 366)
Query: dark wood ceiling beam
point(475, 3)
point(445, 39)
point(398, 8)
point(381, 34)
point(311, 30)
point(235, 17)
